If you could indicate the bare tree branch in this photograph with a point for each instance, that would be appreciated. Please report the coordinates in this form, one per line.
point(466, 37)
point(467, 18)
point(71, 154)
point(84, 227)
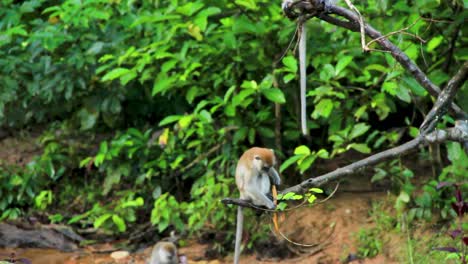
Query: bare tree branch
point(458, 133)
point(444, 99)
point(322, 11)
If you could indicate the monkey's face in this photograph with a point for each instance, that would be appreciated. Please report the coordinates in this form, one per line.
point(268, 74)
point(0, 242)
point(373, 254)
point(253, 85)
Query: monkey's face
point(260, 164)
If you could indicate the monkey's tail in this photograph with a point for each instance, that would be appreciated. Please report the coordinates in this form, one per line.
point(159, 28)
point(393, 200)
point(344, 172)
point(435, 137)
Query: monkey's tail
point(240, 222)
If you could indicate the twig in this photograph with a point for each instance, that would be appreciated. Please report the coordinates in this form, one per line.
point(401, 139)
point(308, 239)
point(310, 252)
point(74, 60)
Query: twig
point(201, 157)
point(402, 31)
point(364, 46)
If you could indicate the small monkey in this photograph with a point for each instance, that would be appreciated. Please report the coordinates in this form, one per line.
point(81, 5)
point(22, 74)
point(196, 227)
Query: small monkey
point(164, 253)
point(255, 173)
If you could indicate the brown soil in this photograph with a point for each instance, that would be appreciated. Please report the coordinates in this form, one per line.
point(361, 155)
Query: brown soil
point(18, 151)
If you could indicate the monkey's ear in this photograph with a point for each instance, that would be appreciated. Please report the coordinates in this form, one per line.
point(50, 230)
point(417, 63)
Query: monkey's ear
point(272, 151)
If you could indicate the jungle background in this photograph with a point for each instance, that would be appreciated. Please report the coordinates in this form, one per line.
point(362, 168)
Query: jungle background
point(124, 120)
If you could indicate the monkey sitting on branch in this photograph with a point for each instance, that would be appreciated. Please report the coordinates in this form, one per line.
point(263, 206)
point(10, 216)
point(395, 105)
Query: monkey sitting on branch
point(255, 175)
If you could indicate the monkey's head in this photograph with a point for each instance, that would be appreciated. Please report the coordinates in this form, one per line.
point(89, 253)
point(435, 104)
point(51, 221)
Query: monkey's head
point(169, 253)
point(263, 159)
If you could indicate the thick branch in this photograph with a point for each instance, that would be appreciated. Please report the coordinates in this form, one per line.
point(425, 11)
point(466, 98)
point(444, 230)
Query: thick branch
point(458, 133)
point(243, 203)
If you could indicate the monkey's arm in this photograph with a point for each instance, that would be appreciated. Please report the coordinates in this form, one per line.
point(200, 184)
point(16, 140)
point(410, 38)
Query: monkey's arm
point(274, 176)
point(259, 198)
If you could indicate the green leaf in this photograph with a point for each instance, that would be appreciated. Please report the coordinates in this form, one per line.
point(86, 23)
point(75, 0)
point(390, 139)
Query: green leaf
point(249, 4)
point(363, 148)
point(358, 130)
point(288, 196)
point(249, 85)
point(306, 163)
point(311, 199)
point(281, 206)
point(379, 175)
point(323, 108)
point(316, 190)
point(119, 222)
point(291, 64)
point(112, 177)
point(274, 95)
point(434, 43)
point(87, 118)
point(377, 67)
point(114, 74)
point(413, 131)
point(361, 111)
point(289, 162)
point(302, 150)
point(327, 72)
point(163, 224)
point(390, 87)
point(169, 119)
point(100, 220)
point(403, 94)
point(162, 83)
point(404, 197)
point(323, 153)
point(342, 63)
point(454, 151)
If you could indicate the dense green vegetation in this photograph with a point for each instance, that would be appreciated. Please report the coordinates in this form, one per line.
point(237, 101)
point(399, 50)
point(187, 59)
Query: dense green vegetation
point(145, 106)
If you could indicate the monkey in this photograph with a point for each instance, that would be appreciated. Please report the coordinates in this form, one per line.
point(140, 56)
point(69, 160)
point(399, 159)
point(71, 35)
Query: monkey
point(164, 253)
point(255, 173)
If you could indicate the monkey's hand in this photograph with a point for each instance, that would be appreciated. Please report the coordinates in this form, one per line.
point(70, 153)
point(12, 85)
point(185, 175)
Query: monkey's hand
point(270, 196)
point(274, 177)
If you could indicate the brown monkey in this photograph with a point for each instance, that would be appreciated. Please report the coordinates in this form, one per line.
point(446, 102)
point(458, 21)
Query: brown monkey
point(164, 253)
point(255, 173)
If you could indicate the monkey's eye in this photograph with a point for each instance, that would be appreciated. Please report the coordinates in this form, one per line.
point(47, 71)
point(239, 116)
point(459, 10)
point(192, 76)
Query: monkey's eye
point(257, 157)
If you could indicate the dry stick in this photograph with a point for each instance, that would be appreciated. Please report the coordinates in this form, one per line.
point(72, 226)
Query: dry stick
point(275, 202)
